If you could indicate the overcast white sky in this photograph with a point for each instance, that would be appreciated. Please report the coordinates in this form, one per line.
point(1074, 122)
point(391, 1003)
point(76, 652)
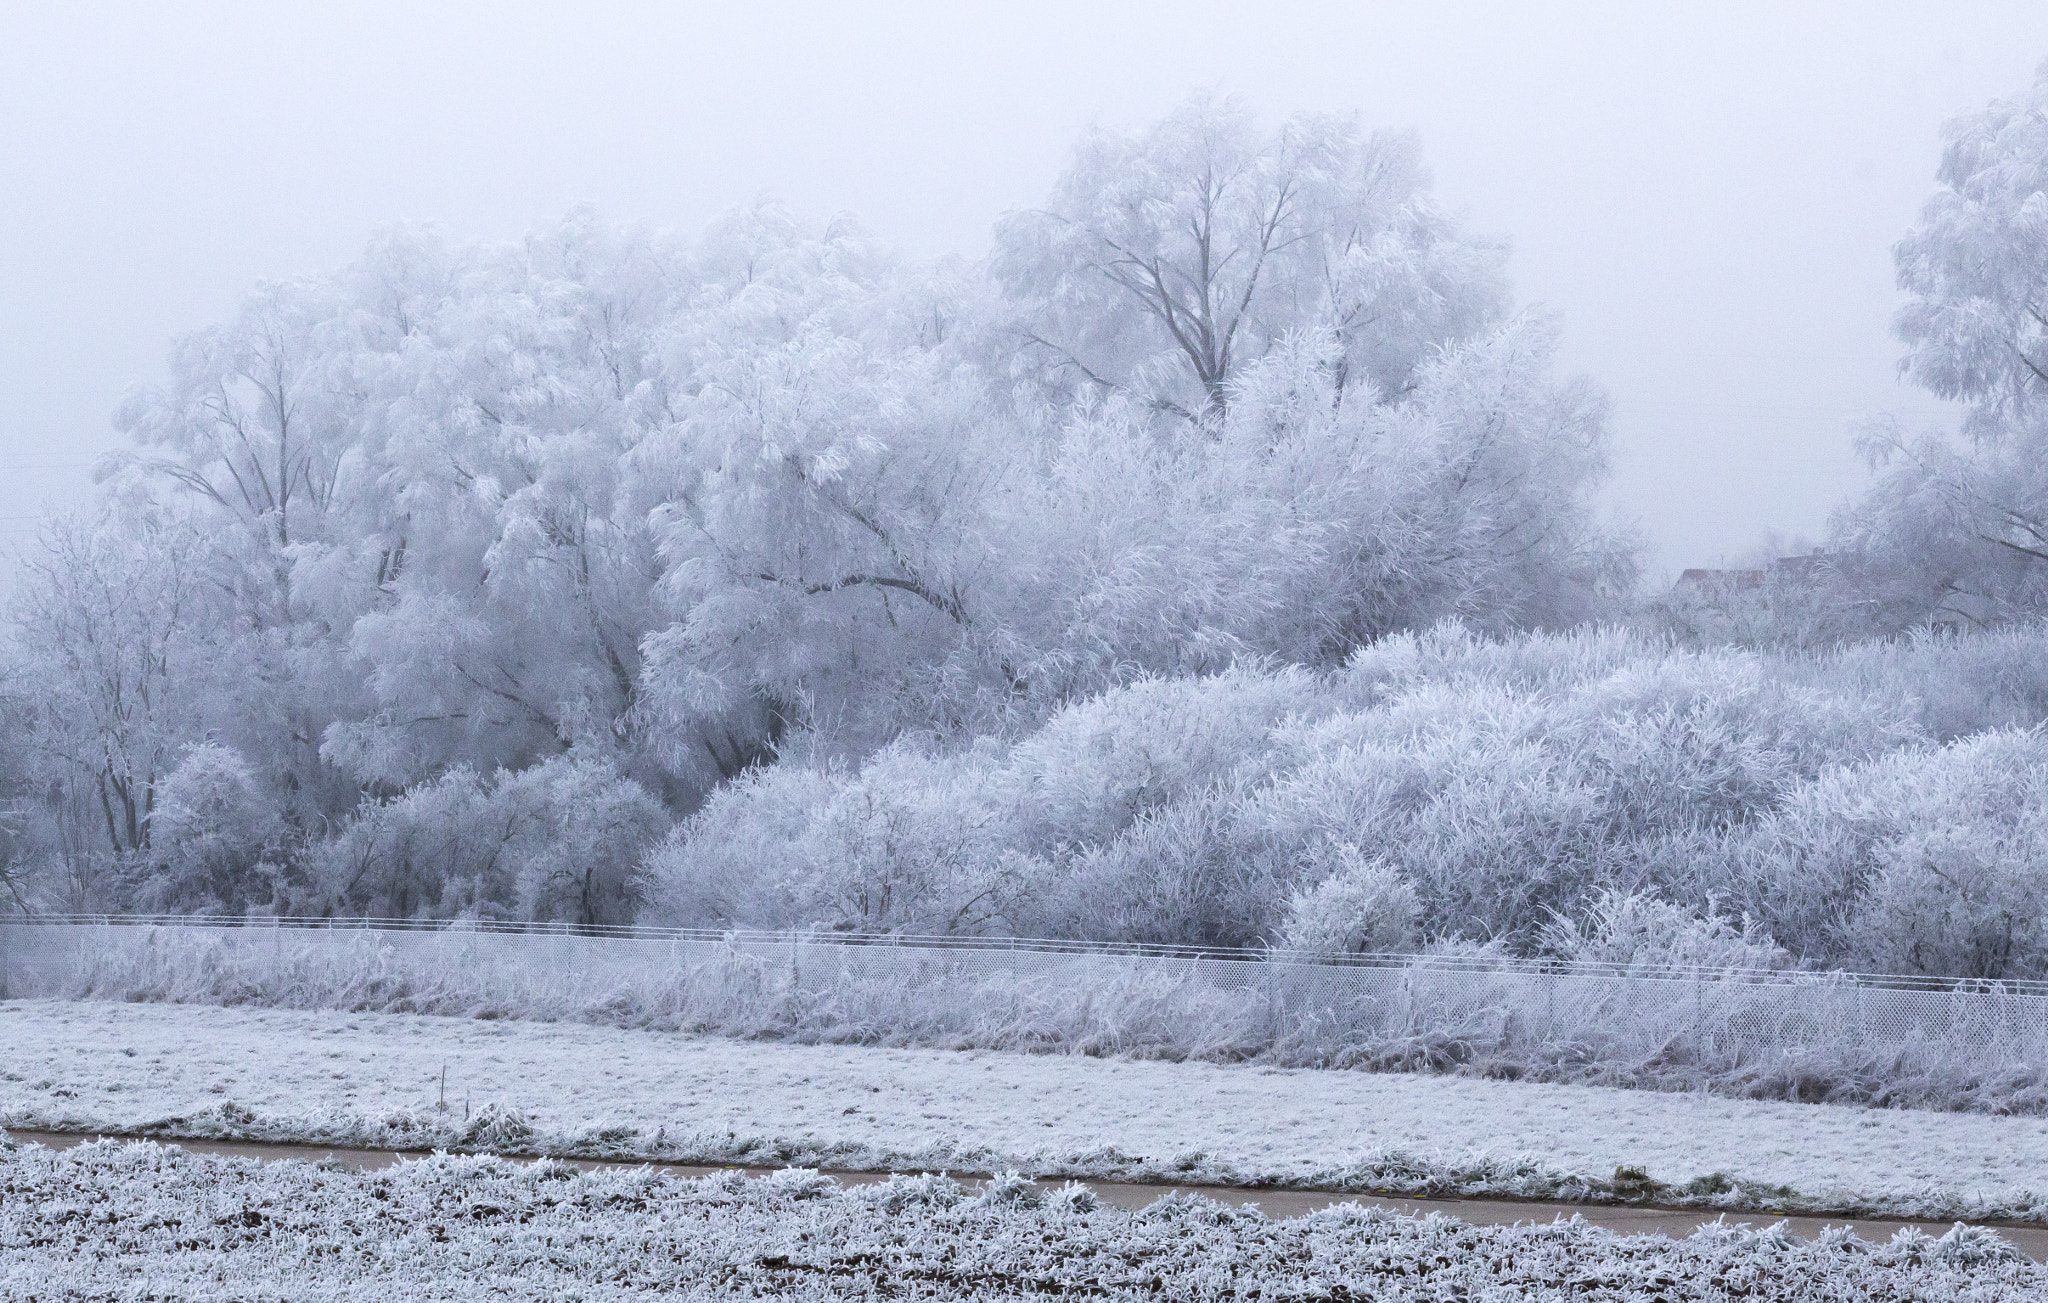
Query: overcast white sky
point(1706, 192)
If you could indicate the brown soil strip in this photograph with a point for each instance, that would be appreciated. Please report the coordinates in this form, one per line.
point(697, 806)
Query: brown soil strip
point(2031, 1240)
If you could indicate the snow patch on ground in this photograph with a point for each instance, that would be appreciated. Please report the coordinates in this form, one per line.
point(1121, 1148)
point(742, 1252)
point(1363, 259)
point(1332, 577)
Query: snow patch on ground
point(112, 1219)
point(343, 1078)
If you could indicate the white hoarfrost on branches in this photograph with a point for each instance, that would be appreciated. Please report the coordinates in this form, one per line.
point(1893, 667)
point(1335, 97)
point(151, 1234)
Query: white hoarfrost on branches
point(1957, 530)
point(1594, 795)
point(1363, 907)
point(1976, 264)
point(682, 509)
point(1164, 264)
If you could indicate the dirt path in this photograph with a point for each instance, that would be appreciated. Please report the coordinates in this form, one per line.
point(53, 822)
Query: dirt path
point(1677, 1223)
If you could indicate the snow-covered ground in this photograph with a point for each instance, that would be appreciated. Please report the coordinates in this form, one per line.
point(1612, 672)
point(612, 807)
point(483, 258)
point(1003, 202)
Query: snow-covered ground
point(119, 1220)
point(371, 1078)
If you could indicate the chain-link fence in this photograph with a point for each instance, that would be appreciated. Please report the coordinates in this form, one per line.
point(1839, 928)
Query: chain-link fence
point(1316, 1008)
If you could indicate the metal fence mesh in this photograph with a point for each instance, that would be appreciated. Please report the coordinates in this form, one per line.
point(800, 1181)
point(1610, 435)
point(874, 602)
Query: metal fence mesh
point(1724, 1015)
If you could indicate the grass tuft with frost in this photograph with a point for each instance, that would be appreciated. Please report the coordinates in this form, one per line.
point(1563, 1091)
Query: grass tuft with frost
point(1129, 1009)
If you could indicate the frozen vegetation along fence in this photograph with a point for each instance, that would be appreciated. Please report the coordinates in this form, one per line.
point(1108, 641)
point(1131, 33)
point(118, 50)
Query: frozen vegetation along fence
point(1872, 1038)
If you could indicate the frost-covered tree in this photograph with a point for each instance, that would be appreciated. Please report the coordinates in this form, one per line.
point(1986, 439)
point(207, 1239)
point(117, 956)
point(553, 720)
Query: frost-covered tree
point(1958, 530)
point(213, 825)
point(1166, 262)
point(824, 540)
point(561, 841)
point(1975, 266)
point(114, 650)
point(499, 579)
point(457, 514)
point(1316, 519)
point(427, 520)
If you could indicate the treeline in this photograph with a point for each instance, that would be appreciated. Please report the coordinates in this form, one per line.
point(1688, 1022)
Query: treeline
point(449, 582)
point(606, 502)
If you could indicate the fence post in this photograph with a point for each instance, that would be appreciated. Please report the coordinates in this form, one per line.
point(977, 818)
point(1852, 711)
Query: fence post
point(1699, 1013)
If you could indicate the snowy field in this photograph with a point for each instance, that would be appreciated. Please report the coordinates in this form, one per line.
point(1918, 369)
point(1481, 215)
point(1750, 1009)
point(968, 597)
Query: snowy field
point(115, 1220)
point(377, 1079)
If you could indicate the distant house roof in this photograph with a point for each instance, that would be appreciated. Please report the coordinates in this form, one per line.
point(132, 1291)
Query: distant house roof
point(1722, 578)
point(1807, 569)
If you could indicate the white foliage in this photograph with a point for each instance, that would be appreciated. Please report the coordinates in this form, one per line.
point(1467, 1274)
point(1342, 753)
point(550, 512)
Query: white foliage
point(1364, 906)
point(1919, 862)
point(1976, 264)
point(1505, 783)
point(561, 841)
point(1638, 929)
point(212, 824)
point(1164, 263)
point(1956, 531)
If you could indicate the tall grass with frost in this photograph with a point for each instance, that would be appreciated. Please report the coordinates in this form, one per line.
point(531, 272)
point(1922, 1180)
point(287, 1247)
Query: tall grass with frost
point(1816, 1041)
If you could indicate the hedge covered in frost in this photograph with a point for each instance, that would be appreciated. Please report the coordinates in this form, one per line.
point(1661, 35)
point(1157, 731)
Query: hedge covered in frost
point(1598, 794)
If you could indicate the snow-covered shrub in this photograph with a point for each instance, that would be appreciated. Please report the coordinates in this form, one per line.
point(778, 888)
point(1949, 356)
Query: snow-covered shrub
point(1954, 685)
point(1921, 862)
point(913, 842)
point(914, 845)
point(1509, 782)
point(1714, 741)
point(1637, 928)
point(588, 829)
point(429, 852)
point(209, 835)
point(1181, 873)
point(1453, 655)
point(799, 1183)
point(1364, 906)
point(1095, 768)
point(728, 864)
point(561, 841)
point(1505, 782)
point(1103, 821)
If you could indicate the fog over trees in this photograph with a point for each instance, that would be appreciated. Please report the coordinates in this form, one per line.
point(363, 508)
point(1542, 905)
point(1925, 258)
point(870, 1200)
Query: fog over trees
point(1216, 561)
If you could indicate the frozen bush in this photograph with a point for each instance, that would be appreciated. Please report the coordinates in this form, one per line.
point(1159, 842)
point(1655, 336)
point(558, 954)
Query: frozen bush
point(213, 836)
point(1637, 928)
point(1364, 907)
point(915, 842)
point(1508, 788)
point(428, 853)
point(1105, 822)
point(1922, 862)
point(1452, 655)
point(1097, 766)
point(1507, 783)
point(718, 868)
point(1504, 837)
point(914, 845)
point(1180, 874)
point(1714, 741)
point(561, 842)
point(904, 1191)
point(587, 829)
point(1953, 685)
